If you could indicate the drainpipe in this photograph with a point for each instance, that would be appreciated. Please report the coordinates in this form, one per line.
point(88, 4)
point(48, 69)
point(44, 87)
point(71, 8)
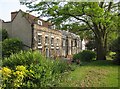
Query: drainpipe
point(67, 45)
point(32, 43)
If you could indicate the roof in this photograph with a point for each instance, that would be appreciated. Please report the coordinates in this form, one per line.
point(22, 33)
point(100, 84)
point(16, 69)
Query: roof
point(69, 34)
point(31, 19)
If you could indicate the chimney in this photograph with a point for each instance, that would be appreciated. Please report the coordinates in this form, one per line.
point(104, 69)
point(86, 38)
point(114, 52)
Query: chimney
point(13, 14)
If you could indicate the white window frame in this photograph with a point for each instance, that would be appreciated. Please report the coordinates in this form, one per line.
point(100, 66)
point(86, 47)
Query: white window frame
point(39, 43)
point(39, 22)
point(52, 38)
point(40, 47)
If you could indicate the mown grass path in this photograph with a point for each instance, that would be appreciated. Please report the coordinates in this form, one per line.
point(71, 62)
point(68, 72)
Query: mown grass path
point(94, 74)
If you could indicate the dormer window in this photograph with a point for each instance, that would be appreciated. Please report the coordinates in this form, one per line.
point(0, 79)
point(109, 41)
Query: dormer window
point(39, 22)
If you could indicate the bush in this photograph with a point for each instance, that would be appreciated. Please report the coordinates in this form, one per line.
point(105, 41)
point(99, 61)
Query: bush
point(115, 47)
point(85, 55)
point(23, 58)
point(4, 34)
point(111, 55)
point(13, 78)
point(10, 46)
point(44, 72)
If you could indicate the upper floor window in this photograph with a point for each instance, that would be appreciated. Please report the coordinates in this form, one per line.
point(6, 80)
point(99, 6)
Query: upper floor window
point(52, 41)
point(57, 42)
point(39, 22)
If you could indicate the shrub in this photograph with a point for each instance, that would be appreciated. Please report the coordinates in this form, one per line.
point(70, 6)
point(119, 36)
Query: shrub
point(111, 55)
point(10, 46)
point(115, 47)
point(13, 78)
point(45, 72)
point(85, 55)
point(23, 58)
point(4, 34)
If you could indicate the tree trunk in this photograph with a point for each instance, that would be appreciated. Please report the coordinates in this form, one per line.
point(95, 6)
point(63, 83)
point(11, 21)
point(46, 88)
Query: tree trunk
point(100, 49)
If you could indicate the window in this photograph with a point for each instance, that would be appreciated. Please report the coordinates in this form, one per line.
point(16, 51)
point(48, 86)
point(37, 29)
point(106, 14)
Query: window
point(46, 40)
point(39, 39)
point(39, 22)
point(76, 42)
point(57, 42)
point(52, 41)
point(63, 42)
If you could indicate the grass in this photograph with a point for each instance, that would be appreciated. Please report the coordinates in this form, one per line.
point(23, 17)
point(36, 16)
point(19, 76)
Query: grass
point(93, 74)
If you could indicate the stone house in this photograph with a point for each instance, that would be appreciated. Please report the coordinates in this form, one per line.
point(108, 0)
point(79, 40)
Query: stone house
point(37, 34)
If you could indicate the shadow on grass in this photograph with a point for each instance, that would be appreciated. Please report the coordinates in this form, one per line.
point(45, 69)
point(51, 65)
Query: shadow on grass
point(99, 63)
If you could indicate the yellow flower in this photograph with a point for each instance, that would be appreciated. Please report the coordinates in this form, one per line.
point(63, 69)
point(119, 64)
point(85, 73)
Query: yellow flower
point(20, 68)
point(6, 71)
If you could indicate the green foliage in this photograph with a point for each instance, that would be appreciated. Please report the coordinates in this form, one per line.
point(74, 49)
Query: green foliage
point(111, 55)
point(43, 72)
point(22, 58)
point(13, 78)
point(85, 55)
point(90, 45)
point(10, 46)
point(115, 47)
point(4, 34)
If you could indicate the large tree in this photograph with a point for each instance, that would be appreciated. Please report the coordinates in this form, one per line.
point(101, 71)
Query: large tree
point(95, 16)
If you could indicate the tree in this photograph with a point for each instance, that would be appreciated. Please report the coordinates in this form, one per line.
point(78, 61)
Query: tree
point(10, 46)
point(96, 16)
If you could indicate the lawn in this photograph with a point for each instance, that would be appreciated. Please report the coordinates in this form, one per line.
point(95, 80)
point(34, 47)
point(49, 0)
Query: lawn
point(93, 74)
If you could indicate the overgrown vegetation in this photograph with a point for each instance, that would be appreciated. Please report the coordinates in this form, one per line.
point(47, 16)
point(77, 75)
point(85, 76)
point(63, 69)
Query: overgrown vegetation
point(35, 70)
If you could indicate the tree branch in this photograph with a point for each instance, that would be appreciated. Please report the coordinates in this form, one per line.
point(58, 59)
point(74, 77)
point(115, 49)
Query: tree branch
point(109, 7)
point(101, 4)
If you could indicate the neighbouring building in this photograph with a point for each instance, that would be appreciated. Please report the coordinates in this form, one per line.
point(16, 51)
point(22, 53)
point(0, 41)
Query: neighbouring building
point(37, 34)
point(1, 21)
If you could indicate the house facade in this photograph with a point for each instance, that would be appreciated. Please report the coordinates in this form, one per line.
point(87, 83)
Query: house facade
point(37, 34)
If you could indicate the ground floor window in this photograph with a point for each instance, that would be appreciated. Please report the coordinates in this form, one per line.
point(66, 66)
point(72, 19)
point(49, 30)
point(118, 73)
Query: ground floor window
point(47, 52)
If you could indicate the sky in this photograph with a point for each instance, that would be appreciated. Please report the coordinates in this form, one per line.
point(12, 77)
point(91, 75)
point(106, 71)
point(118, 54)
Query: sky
point(8, 6)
